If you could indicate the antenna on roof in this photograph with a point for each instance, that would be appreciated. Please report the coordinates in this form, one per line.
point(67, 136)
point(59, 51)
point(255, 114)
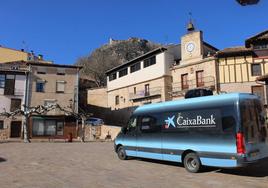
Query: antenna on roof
point(166, 39)
point(190, 16)
point(24, 46)
point(190, 26)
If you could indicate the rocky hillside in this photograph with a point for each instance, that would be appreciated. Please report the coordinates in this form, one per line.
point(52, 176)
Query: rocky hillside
point(126, 50)
point(110, 55)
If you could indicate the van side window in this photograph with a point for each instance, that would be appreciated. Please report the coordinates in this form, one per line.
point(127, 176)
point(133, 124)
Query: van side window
point(229, 119)
point(148, 124)
point(132, 124)
point(249, 120)
point(228, 123)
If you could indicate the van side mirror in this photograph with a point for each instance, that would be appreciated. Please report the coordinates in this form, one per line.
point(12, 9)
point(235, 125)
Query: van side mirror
point(124, 130)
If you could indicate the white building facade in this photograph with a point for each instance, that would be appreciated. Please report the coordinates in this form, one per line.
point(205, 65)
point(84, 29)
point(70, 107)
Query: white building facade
point(12, 96)
point(145, 79)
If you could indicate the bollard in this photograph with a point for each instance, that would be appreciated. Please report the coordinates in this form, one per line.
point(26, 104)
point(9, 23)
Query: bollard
point(70, 137)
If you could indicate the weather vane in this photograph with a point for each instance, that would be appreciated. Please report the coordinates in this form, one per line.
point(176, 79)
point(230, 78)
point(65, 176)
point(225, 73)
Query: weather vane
point(190, 16)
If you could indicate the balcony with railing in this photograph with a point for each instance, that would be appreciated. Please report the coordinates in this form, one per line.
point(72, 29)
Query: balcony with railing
point(151, 92)
point(9, 91)
point(19, 92)
point(179, 88)
point(13, 68)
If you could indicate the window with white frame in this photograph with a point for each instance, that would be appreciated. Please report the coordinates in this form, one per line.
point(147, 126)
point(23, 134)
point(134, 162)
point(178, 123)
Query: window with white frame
point(123, 72)
point(135, 67)
point(60, 71)
point(60, 86)
point(47, 127)
point(41, 70)
point(112, 76)
point(150, 61)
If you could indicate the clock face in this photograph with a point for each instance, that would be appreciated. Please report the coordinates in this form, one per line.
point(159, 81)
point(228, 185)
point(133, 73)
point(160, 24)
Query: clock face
point(190, 47)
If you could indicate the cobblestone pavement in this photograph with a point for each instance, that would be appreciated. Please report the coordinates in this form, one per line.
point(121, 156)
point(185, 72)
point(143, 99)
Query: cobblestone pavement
point(75, 165)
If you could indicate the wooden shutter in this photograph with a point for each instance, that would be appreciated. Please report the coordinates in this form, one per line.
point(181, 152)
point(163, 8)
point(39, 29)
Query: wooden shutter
point(15, 104)
point(10, 85)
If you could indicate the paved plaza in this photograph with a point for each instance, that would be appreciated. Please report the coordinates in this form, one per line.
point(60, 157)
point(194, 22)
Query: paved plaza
point(75, 165)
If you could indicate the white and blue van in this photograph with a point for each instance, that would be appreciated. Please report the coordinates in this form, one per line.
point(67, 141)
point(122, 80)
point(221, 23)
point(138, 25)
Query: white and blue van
point(227, 130)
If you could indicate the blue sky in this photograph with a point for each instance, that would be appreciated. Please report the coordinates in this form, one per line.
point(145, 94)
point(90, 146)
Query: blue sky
point(63, 30)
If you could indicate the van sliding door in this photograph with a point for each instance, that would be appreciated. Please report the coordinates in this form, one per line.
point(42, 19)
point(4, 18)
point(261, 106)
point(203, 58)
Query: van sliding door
point(149, 139)
point(130, 138)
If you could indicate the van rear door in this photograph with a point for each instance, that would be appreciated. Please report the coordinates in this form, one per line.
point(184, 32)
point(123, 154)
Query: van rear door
point(254, 129)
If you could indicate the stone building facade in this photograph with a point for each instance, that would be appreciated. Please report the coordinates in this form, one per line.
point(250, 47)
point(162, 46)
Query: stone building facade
point(34, 83)
point(53, 84)
point(197, 67)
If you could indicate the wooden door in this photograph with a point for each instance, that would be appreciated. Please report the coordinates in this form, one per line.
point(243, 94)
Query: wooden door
point(15, 129)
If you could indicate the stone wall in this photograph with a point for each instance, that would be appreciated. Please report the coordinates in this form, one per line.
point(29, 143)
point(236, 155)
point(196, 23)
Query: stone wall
point(97, 97)
point(112, 131)
point(4, 134)
point(102, 132)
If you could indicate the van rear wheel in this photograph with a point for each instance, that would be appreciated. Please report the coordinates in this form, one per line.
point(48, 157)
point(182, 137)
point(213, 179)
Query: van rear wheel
point(121, 153)
point(192, 163)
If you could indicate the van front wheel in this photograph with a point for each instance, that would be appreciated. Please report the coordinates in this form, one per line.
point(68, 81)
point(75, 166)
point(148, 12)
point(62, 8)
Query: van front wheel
point(192, 163)
point(121, 153)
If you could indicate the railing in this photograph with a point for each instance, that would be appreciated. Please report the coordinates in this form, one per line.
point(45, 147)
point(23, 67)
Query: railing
point(16, 92)
point(179, 89)
point(19, 92)
point(13, 68)
point(143, 93)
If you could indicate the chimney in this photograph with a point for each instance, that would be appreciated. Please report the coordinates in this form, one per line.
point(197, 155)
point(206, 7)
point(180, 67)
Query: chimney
point(40, 57)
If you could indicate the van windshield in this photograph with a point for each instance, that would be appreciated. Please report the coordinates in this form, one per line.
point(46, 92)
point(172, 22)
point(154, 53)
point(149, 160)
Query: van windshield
point(253, 121)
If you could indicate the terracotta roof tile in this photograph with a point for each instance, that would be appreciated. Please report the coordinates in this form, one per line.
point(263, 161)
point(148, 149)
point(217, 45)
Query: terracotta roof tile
point(234, 50)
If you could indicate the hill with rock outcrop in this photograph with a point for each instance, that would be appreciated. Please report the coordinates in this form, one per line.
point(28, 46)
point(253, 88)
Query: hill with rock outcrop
point(110, 55)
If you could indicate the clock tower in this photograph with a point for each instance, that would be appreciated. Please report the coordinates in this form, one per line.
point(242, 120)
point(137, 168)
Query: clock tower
point(191, 45)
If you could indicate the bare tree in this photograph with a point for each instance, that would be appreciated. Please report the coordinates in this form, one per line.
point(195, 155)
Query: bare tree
point(96, 65)
point(109, 56)
point(40, 109)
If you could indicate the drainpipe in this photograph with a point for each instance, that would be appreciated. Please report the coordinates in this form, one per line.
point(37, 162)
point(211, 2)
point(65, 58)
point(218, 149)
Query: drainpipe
point(217, 75)
point(76, 99)
point(25, 108)
point(77, 90)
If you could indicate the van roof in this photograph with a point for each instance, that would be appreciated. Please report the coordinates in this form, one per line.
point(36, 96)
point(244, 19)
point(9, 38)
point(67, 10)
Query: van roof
point(197, 101)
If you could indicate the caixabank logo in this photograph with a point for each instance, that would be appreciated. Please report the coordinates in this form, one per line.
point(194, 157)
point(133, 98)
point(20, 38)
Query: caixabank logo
point(194, 119)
